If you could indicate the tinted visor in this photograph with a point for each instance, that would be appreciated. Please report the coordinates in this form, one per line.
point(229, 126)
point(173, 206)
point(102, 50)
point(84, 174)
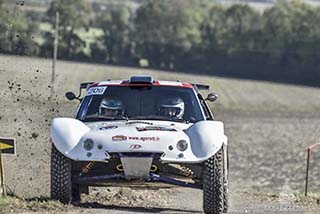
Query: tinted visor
point(170, 111)
point(111, 112)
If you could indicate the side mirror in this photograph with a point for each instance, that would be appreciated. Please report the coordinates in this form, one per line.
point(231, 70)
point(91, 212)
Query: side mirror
point(70, 96)
point(212, 97)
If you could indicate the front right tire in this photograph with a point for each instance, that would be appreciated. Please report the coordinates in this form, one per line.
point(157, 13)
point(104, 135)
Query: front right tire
point(214, 190)
point(62, 188)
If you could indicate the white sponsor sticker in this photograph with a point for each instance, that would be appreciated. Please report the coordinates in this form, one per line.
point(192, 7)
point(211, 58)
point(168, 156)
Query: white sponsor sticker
point(96, 90)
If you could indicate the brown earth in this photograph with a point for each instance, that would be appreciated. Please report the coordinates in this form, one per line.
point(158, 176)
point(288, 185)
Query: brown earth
point(269, 127)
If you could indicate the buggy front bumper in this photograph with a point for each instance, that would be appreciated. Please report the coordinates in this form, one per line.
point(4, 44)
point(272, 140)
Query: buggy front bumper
point(203, 140)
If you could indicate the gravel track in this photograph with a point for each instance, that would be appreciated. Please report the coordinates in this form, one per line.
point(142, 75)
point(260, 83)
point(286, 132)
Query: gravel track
point(269, 127)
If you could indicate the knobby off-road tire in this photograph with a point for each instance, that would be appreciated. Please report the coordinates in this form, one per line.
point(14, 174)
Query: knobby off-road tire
point(225, 180)
point(62, 188)
point(213, 184)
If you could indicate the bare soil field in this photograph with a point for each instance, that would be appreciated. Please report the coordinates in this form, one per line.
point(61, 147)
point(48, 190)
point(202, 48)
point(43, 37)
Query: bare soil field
point(269, 128)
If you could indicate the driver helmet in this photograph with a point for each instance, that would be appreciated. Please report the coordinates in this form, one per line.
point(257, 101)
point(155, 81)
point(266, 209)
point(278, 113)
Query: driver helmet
point(111, 106)
point(171, 107)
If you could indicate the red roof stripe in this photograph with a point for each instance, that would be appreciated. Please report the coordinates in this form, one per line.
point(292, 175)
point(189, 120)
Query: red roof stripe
point(156, 83)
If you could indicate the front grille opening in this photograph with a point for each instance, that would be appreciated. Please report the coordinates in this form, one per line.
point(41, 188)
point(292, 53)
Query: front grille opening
point(136, 154)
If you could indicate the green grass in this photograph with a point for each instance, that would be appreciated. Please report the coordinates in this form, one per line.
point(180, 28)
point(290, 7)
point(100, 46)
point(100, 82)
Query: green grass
point(16, 204)
point(4, 201)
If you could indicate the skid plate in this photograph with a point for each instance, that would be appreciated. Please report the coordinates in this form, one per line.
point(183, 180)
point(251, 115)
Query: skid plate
point(136, 167)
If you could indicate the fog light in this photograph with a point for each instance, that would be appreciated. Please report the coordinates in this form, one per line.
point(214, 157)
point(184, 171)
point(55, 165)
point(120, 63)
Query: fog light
point(182, 145)
point(88, 144)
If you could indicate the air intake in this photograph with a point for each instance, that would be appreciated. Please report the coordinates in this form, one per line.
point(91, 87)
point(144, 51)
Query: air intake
point(141, 80)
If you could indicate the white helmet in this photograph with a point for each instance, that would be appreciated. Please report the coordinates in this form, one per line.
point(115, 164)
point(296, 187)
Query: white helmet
point(111, 106)
point(171, 107)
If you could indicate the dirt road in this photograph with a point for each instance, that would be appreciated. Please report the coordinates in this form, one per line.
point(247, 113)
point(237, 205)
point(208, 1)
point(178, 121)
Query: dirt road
point(268, 125)
point(183, 200)
point(180, 200)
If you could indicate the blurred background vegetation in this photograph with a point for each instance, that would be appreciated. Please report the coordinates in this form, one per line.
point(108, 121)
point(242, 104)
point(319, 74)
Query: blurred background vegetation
point(280, 43)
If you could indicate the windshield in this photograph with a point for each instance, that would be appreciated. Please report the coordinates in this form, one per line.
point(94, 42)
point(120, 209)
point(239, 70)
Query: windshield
point(150, 103)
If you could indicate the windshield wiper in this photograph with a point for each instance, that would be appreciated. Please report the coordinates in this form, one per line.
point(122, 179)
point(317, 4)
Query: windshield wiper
point(105, 117)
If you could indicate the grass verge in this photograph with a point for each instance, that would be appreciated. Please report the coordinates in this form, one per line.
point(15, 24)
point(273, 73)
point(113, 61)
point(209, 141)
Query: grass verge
point(298, 198)
point(4, 201)
point(14, 205)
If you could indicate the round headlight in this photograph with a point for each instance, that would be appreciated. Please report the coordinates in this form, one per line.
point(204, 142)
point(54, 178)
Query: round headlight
point(88, 144)
point(182, 145)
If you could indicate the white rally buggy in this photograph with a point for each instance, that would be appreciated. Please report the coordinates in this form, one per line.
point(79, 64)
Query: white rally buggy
point(140, 133)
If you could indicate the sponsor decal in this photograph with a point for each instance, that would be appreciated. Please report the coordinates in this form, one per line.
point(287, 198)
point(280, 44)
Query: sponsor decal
point(135, 146)
point(155, 128)
point(144, 138)
point(119, 138)
point(96, 90)
point(108, 127)
point(123, 138)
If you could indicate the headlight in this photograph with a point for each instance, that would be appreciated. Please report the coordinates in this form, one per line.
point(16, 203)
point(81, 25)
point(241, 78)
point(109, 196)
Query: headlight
point(88, 144)
point(182, 145)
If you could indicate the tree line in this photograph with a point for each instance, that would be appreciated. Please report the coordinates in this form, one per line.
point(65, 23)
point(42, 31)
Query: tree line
point(279, 44)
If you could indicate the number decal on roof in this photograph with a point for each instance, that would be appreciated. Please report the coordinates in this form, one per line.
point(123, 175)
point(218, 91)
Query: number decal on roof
point(96, 90)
